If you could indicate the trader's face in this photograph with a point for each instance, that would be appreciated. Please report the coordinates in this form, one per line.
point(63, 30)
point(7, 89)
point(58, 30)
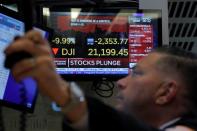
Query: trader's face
point(137, 90)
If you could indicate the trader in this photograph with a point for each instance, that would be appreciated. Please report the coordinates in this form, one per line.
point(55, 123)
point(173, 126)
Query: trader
point(158, 94)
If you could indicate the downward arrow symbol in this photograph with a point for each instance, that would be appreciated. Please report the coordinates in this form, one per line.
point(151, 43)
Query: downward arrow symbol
point(55, 50)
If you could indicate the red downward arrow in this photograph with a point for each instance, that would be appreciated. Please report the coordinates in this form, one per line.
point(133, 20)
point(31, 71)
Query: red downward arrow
point(55, 50)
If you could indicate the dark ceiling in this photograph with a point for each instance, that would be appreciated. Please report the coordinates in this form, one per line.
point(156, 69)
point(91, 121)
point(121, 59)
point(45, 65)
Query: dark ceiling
point(69, 1)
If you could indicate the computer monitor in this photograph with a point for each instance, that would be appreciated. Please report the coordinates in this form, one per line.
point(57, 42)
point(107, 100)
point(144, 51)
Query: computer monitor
point(21, 95)
point(91, 43)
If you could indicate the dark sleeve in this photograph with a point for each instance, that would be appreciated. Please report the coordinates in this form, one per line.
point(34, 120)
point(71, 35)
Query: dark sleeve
point(65, 126)
point(103, 117)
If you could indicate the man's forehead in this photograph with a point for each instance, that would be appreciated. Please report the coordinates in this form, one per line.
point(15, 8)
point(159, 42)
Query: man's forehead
point(149, 60)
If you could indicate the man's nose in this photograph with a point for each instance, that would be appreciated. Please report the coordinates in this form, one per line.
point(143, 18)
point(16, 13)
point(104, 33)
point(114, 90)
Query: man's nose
point(122, 83)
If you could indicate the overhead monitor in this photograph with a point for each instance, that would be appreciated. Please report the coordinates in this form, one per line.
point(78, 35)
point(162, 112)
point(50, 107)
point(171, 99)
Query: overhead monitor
point(101, 42)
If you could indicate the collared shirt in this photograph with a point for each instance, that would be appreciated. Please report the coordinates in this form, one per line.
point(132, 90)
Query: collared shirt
point(162, 127)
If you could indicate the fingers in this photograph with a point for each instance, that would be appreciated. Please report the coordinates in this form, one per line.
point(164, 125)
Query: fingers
point(23, 67)
point(21, 44)
point(32, 43)
point(33, 67)
point(36, 37)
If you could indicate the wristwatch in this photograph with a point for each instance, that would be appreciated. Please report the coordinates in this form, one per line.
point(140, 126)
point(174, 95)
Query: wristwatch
point(77, 96)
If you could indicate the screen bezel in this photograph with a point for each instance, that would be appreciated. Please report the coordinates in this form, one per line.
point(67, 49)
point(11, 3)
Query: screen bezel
point(114, 77)
point(19, 107)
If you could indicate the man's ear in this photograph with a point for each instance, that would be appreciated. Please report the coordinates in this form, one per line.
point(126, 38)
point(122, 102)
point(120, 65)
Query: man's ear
point(166, 92)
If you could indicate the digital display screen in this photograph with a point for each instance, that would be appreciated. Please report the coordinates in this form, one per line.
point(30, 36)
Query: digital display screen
point(102, 42)
point(10, 90)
